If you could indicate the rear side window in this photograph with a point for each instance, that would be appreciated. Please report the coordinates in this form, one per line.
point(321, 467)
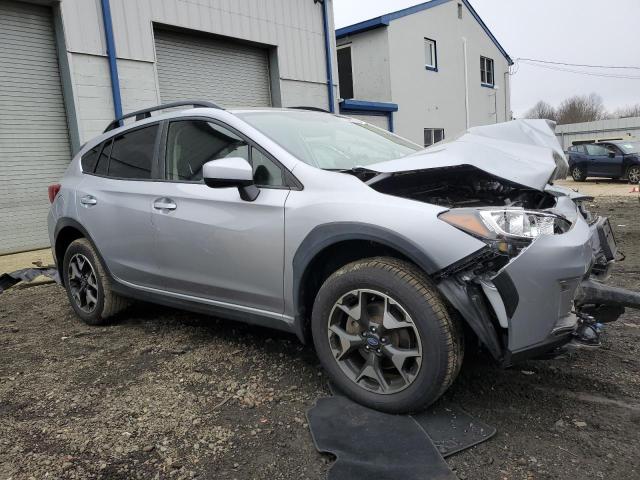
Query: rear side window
point(103, 160)
point(132, 154)
point(90, 159)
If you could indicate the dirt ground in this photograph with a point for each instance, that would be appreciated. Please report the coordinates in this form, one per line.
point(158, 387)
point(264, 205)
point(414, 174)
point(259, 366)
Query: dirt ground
point(168, 394)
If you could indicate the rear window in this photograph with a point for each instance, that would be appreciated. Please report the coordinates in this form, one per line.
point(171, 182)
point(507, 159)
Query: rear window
point(132, 154)
point(90, 159)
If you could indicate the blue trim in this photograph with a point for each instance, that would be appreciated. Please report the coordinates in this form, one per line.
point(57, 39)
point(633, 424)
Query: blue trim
point(488, 85)
point(329, 58)
point(364, 106)
point(384, 20)
point(111, 55)
point(431, 69)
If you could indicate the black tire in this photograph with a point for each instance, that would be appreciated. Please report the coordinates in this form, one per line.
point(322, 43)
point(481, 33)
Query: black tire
point(107, 303)
point(441, 336)
point(579, 174)
point(633, 174)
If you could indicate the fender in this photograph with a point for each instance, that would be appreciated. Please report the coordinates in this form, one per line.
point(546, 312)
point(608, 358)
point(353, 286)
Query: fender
point(324, 236)
point(64, 222)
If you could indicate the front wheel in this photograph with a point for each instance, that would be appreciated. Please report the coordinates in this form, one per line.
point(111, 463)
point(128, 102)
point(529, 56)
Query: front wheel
point(579, 174)
point(384, 336)
point(633, 174)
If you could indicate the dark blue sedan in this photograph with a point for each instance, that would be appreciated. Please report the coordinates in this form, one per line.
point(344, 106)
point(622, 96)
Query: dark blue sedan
point(605, 159)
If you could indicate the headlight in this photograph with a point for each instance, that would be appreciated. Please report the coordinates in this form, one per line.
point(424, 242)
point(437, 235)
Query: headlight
point(505, 227)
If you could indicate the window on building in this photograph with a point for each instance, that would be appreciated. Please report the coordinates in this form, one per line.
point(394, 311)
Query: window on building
point(132, 153)
point(486, 72)
point(430, 55)
point(345, 71)
point(460, 10)
point(433, 135)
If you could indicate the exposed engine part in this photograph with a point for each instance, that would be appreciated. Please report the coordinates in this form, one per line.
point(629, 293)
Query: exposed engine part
point(588, 331)
point(460, 186)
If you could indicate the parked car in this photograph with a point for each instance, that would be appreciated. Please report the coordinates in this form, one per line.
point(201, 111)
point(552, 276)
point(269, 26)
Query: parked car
point(617, 159)
point(383, 254)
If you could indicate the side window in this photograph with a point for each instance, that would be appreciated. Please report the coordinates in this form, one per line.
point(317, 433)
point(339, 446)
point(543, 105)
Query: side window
point(265, 172)
point(192, 143)
point(103, 160)
point(132, 153)
point(581, 149)
point(486, 71)
point(90, 159)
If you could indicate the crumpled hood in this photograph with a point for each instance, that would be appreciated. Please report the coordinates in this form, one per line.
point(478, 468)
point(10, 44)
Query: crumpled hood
point(525, 152)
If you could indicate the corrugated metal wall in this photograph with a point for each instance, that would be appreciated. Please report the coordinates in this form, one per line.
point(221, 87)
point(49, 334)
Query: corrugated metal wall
point(295, 26)
point(34, 138)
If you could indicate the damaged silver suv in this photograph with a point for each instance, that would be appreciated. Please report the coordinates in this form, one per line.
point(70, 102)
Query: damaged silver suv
point(386, 255)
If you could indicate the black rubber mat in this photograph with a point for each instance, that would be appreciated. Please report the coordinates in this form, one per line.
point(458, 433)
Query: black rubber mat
point(373, 445)
point(451, 429)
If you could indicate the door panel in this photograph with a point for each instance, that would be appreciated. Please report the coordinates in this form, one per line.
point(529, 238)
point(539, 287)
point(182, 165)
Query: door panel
point(216, 246)
point(117, 215)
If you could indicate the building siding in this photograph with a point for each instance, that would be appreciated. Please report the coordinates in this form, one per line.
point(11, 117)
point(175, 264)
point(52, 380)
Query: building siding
point(293, 28)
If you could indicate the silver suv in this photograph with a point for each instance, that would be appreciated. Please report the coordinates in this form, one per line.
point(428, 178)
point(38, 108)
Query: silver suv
point(386, 255)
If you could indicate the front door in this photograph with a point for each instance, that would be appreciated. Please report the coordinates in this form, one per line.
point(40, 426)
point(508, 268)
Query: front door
point(114, 204)
point(211, 244)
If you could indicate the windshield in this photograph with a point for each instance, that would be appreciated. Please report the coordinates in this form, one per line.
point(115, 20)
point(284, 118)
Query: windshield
point(328, 141)
point(629, 147)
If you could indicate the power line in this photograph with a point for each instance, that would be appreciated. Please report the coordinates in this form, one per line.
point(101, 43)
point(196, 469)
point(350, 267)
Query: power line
point(579, 64)
point(580, 72)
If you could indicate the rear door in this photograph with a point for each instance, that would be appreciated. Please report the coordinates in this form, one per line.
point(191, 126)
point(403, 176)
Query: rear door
point(114, 203)
point(210, 243)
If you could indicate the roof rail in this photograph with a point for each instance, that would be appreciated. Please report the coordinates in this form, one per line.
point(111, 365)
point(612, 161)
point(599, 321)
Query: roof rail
point(312, 109)
point(146, 112)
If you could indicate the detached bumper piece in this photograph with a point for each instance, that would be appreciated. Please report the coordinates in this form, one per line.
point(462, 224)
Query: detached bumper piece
point(8, 280)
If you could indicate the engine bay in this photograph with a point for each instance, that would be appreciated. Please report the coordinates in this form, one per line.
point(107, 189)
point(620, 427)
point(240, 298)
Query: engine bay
point(459, 186)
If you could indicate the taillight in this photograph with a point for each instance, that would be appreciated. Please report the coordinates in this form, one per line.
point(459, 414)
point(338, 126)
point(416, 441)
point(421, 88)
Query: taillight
point(53, 191)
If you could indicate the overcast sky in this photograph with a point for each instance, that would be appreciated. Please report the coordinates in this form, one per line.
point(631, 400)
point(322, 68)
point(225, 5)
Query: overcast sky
point(593, 32)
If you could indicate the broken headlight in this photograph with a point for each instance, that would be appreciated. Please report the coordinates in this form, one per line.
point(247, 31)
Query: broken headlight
point(507, 229)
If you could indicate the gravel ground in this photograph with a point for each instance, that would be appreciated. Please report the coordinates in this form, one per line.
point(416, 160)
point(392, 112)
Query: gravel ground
point(168, 394)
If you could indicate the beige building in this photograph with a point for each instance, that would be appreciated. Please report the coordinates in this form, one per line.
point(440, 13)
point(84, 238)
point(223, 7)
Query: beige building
point(428, 72)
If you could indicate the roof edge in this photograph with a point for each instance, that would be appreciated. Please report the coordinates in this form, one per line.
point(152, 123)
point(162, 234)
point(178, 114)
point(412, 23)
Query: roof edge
point(384, 20)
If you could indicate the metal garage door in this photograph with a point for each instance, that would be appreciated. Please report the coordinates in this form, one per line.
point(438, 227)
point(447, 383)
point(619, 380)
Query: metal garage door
point(201, 67)
point(34, 139)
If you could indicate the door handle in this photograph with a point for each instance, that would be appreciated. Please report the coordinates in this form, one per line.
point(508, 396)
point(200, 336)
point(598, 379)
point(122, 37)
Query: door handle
point(88, 200)
point(164, 204)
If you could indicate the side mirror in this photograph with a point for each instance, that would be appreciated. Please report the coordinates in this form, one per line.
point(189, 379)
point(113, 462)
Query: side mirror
point(231, 172)
point(612, 154)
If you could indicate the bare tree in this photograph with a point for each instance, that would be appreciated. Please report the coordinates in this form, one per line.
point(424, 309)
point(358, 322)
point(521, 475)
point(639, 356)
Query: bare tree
point(626, 112)
point(581, 108)
point(541, 110)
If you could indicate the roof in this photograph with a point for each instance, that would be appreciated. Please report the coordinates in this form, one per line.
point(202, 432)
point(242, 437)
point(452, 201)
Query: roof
point(385, 20)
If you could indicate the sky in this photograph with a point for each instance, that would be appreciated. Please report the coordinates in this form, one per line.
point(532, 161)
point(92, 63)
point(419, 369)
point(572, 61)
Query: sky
point(593, 32)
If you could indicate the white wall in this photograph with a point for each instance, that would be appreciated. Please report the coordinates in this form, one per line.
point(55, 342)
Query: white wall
point(430, 99)
point(370, 65)
point(294, 27)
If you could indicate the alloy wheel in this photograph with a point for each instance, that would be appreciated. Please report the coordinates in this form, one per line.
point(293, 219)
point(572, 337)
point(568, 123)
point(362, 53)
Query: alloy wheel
point(634, 175)
point(374, 341)
point(576, 173)
point(83, 283)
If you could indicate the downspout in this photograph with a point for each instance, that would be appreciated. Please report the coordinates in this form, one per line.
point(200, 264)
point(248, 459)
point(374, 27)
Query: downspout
point(390, 121)
point(327, 47)
point(466, 82)
point(111, 56)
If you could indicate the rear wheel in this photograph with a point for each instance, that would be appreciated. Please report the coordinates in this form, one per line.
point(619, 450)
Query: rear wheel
point(384, 337)
point(578, 173)
point(88, 286)
point(633, 174)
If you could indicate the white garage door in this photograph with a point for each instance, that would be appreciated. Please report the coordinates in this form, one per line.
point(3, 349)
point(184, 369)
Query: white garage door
point(204, 68)
point(34, 139)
